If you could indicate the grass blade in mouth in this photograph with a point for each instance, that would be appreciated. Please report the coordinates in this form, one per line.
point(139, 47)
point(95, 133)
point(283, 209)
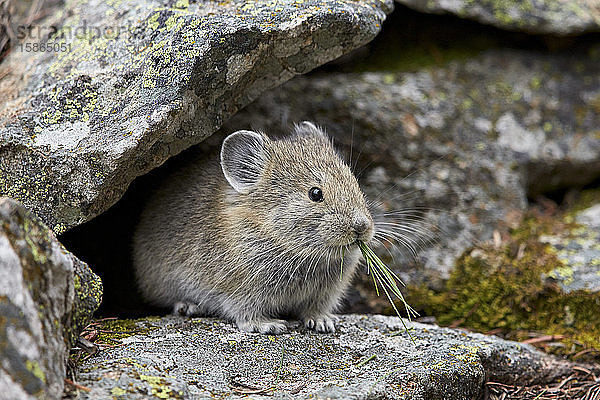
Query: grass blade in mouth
point(388, 281)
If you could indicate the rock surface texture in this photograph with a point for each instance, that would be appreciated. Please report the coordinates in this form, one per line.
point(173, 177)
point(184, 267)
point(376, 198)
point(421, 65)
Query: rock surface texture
point(555, 17)
point(466, 143)
point(369, 357)
point(578, 249)
point(129, 83)
point(46, 297)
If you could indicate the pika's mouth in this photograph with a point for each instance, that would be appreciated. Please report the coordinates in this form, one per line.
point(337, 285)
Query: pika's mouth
point(355, 242)
point(364, 237)
point(352, 237)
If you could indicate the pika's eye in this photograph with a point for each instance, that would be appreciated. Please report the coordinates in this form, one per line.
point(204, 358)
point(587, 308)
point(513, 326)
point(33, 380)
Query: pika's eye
point(315, 194)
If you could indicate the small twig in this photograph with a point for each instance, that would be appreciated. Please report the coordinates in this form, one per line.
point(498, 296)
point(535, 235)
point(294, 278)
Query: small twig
point(250, 391)
point(77, 386)
point(459, 322)
point(542, 339)
point(494, 331)
point(87, 346)
point(564, 381)
point(585, 351)
point(521, 251)
point(298, 388)
point(498, 384)
point(243, 388)
point(582, 369)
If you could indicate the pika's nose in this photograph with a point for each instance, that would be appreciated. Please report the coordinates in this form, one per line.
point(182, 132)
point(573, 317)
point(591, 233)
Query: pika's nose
point(361, 224)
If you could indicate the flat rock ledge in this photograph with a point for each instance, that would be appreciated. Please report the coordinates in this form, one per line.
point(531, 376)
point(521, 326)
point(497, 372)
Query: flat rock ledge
point(370, 356)
point(130, 83)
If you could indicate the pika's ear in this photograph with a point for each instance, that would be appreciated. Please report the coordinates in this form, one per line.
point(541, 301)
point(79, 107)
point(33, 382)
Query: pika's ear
point(307, 128)
point(243, 159)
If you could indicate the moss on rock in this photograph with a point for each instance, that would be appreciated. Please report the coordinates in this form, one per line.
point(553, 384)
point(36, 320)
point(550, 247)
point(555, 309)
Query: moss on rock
point(509, 289)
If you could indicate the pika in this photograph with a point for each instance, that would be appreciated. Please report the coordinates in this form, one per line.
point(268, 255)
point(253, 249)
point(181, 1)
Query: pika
point(266, 232)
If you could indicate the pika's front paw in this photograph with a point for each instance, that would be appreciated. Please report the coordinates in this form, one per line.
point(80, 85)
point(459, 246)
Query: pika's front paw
point(267, 326)
point(186, 309)
point(324, 323)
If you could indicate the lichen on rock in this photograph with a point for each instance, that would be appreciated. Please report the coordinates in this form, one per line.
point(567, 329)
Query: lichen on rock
point(42, 309)
point(136, 82)
point(578, 248)
point(526, 285)
point(369, 357)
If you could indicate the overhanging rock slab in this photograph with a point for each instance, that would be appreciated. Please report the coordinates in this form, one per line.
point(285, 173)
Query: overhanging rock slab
point(128, 83)
point(369, 357)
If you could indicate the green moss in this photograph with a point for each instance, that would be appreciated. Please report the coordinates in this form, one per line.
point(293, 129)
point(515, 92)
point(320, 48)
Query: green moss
point(492, 288)
point(417, 56)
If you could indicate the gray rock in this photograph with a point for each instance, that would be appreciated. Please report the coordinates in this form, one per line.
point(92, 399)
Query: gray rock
point(131, 83)
point(464, 144)
point(46, 297)
point(369, 357)
point(578, 248)
point(566, 17)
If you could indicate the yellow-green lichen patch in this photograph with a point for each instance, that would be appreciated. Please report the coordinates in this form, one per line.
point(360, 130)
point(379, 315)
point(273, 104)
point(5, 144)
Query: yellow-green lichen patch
point(506, 290)
point(108, 332)
point(466, 354)
point(112, 330)
point(34, 368)
point(117, 391)
point(88, 296)
point(37, 239)
point(144, 51)
point(160, 388)
point(72, 102)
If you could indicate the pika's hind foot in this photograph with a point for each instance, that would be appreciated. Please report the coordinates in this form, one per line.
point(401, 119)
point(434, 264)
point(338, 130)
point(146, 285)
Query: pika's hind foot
point(186, 309)
point(266, 326)
point(323, 323)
